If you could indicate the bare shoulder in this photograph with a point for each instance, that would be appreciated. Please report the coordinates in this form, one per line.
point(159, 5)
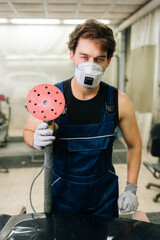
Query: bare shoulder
point(123, 97)
point(125, 105)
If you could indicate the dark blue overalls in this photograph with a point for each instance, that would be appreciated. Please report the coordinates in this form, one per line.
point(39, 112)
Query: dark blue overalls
point(83, 177)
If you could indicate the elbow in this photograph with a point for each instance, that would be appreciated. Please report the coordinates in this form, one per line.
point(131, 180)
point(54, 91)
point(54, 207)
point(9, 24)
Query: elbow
point(136, 146)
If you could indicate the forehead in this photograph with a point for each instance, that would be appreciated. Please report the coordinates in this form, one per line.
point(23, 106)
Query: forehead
point(88, 46)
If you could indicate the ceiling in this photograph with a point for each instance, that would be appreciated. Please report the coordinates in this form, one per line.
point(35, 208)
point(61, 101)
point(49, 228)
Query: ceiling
point(116, 11)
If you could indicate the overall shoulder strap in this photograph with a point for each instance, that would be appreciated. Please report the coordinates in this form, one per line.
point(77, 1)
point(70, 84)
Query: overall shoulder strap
point(60, 86)
point(110, 92)
point(111, 103)
point(110, 108)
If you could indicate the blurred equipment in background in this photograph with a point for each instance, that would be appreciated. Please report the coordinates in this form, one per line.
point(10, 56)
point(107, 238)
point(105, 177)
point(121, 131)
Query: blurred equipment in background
point(4, 123)
point(154, 168)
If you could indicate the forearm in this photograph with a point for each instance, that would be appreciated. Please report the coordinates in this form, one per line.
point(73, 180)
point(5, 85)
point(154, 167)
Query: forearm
point(30, 129)
point(133, 165)
point(28, 136)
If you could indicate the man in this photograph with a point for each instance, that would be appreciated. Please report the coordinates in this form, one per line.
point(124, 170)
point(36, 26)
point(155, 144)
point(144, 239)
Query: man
point(83, 177)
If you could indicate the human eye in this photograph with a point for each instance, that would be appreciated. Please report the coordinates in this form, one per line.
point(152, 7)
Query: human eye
point(99, 60)
point(84, 57)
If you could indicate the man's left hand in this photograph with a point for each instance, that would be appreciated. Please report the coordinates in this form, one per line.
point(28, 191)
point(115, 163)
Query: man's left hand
point(128, 201)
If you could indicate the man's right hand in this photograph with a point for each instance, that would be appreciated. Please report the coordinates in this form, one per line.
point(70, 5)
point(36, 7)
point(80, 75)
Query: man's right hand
point(43, 136)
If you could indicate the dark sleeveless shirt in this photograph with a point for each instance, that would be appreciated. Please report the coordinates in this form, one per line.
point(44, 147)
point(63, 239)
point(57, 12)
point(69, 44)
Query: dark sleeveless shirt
point(88, 111)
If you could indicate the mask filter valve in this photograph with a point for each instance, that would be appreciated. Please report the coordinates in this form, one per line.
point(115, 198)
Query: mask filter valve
point(89, 74)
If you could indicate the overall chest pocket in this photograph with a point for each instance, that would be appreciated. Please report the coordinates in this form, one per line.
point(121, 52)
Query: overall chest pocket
point(86, 137)
point(87, 144)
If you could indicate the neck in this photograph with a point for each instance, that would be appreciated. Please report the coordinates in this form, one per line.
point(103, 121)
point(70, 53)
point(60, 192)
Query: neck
point(83, 93)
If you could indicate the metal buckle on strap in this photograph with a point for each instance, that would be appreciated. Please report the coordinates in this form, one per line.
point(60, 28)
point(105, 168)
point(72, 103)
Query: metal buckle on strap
point(65, 111)
point(109, 108)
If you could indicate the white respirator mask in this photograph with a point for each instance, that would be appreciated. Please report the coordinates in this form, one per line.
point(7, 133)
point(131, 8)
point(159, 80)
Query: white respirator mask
point(89, 74)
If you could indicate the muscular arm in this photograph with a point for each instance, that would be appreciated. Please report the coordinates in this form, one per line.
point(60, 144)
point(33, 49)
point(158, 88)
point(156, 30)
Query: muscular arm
point(131, 135)
point(29, 130)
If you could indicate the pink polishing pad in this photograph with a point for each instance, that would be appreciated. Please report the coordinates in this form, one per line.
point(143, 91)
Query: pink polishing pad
point(45, 102)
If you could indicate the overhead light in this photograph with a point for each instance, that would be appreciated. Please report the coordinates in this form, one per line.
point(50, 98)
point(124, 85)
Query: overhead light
point(3, 20)
point(46, 21)
point(73, 21)
point(105, 21)
point(80, 21)
point(35, 21)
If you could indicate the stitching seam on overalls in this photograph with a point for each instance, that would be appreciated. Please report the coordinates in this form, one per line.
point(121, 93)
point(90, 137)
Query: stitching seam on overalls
point(56, 181)
point(112, 172)
point(87, 138)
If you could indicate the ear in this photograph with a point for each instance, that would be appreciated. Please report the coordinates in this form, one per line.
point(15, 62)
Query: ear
point(71, 57)
point(108, 61)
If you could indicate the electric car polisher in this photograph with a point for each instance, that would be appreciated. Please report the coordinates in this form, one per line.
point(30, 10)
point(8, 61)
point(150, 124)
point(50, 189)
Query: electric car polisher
point(46, 102)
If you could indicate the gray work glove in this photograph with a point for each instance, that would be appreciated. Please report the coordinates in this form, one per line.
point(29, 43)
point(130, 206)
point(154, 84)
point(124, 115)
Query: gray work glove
point(128, 201)
point(43, 136)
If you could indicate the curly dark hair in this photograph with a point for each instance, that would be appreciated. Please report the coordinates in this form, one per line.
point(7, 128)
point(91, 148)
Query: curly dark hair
point(95, 30)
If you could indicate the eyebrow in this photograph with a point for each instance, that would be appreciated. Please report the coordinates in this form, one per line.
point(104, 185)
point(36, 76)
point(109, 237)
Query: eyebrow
point(102, 56)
